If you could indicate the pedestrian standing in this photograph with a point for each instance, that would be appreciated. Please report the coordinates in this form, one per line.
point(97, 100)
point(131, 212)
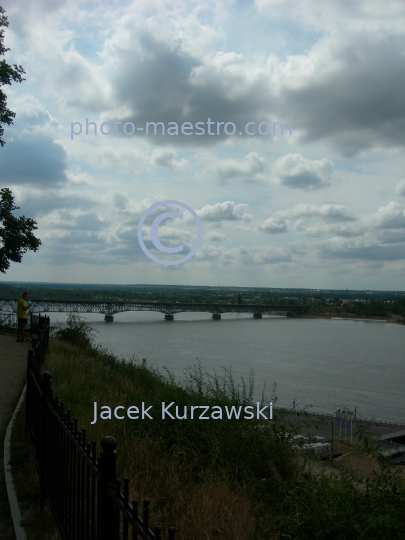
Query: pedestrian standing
point(22, 316)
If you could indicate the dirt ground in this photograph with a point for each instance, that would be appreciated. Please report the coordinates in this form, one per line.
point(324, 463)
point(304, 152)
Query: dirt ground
point(352, 457)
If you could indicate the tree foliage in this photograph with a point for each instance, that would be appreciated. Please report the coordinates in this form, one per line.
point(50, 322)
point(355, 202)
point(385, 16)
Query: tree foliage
point(8, 74)
point(16, 233)
point(16, 236)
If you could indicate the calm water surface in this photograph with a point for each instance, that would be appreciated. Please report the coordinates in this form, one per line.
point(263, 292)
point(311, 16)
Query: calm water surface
point(324, 363)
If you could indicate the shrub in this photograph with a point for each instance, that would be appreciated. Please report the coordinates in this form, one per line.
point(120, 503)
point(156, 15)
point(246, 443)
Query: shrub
point(78, 332)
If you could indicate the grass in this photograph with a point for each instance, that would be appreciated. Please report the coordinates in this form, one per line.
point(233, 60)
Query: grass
point(201, 475)
point(217, 479)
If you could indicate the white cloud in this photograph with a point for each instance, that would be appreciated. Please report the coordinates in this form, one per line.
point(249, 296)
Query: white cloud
point(362, 14)
point(295, 171)
point(226, 211)
point(400, 188)
point(40, 202)
point(215, 236)
point(249, 170)
point(346, 230)
point(245, 256)
point(391, 216)
point(332, 69)
point(337, 248)
point(166, 158)
point(80, 178)
point(329, 213)
point(274, 225)
point(314, 232)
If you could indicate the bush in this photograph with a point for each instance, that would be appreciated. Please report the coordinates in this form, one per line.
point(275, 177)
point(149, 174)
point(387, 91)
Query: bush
point(78, 332)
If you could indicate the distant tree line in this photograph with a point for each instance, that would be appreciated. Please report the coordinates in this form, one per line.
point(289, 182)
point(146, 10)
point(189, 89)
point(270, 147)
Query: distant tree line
point(365, 306)
point(381, 308)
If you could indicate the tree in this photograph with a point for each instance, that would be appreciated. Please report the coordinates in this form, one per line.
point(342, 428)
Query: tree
point(8, 74)
point(16, 236)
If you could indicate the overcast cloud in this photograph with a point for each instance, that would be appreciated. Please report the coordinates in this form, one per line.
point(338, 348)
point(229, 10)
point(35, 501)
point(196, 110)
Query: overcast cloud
point(322, 206)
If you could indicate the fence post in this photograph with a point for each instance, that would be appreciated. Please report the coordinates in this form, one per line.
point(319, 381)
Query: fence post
point(39, 348)
point(46, 389)
point(47, 328)
point(106, 507)
point(28, 404)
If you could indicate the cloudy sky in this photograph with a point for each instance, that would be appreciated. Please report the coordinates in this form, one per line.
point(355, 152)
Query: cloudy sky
point(318, 205)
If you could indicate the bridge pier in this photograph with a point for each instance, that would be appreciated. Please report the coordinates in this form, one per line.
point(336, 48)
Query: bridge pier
point(109, 318)
point(257, 316)
point(169, 317)
point(216, 316)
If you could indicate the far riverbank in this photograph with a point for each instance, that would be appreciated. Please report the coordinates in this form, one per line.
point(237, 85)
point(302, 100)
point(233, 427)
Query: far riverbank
point(396, 319)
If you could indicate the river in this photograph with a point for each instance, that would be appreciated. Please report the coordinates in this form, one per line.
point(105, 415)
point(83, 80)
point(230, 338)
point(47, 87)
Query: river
point(323, 364)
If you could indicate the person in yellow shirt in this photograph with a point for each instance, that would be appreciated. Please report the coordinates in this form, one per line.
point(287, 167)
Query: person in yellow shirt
point(22, 315)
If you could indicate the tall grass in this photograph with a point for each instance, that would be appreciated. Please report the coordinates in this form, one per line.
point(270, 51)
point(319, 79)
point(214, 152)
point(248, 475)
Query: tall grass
point(217, 479)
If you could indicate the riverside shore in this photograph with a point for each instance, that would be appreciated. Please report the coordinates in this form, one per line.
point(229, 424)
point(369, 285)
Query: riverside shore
point(396, 319)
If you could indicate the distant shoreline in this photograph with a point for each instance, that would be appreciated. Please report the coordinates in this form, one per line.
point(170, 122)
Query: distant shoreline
point(331, 316)
point(345, 316)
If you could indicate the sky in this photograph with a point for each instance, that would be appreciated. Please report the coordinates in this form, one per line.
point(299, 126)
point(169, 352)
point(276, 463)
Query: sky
point(280, 123)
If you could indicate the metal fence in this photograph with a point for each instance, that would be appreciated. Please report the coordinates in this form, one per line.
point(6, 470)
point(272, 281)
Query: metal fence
point(81, 488)
point(40, 326)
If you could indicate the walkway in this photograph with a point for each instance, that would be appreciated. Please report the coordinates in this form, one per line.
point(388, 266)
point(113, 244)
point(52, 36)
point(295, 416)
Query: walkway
point(13, 365)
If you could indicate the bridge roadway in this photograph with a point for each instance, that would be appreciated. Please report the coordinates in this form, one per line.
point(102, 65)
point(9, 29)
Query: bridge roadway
point(109, 309)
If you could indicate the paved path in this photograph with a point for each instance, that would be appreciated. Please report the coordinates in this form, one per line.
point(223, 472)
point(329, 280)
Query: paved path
point(13, 366)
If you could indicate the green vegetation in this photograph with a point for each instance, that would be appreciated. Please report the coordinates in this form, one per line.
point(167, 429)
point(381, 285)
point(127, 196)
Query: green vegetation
point(76, 332)
point(16, 233)
point(8, 75)
point(328, 302)
point(376, 308)
point(217, 479)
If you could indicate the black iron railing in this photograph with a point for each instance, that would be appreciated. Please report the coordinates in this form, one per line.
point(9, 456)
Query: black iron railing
point(81, 488)
point(40, 326)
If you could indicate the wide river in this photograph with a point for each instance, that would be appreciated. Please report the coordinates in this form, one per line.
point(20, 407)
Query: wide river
point(322, 364)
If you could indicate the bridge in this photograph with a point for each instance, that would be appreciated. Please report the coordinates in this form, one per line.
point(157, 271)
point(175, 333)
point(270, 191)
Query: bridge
point(109, 309)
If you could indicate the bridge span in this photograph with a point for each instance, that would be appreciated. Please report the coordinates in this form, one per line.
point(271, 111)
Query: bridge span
point(109, 309)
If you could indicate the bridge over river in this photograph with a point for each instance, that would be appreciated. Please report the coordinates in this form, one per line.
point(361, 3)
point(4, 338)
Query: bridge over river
point(109, 309)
